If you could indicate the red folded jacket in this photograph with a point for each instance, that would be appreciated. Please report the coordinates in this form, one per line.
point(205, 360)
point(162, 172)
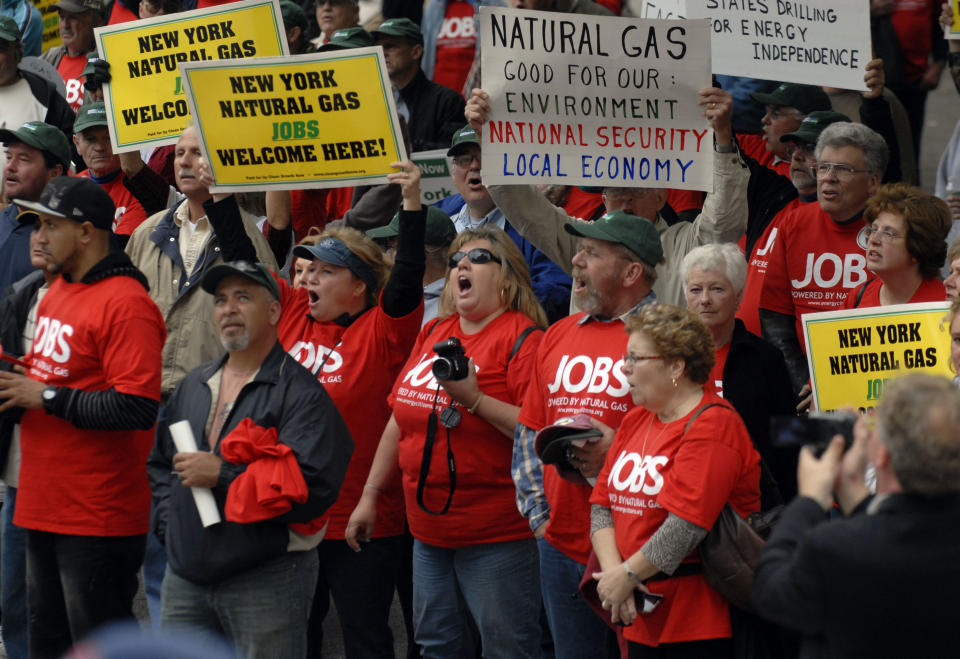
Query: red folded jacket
point(272, 481)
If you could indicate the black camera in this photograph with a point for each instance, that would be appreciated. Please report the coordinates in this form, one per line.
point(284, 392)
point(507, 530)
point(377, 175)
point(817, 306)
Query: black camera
point(452, 364)
point(815, 429)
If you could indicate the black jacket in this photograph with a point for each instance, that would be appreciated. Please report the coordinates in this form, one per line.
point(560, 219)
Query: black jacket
point(283, 395)
point(756, 382)
point(14, 308)
point(871, 585)
point(436, 113)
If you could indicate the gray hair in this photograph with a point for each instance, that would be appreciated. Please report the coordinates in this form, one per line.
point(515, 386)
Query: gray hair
point(842, 133)
point(717, 257)
point(919, 423)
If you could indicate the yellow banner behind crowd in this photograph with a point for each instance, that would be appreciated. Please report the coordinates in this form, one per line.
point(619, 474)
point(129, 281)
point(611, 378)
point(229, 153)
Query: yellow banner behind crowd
point(853, 353)
point(51, 24)
point(146, 105)
point(310, 121)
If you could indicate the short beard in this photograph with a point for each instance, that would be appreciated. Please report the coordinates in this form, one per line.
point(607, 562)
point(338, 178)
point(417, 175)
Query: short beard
point(589, 300)
point(235, 344)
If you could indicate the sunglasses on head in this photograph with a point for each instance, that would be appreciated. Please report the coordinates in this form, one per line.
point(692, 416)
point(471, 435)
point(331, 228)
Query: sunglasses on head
point(477, 256)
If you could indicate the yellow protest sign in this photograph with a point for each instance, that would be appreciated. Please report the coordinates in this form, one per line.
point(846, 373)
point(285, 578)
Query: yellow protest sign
point(852, 353)
point(51, 24)
point(310, 121)
point(146, 105)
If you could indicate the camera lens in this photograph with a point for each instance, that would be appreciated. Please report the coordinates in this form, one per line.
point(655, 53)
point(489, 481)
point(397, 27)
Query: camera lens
point(442, 369)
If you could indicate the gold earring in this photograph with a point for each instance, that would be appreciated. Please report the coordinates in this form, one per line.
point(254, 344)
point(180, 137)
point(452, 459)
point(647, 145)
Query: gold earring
point(674, 383)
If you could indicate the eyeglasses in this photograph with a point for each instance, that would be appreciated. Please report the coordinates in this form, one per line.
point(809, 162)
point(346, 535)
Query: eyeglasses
point(776, 112)
point(841, 171)
point(632, 360)
point(800, 149)
point(477, 256)
point(466, 159)
point(886, 236)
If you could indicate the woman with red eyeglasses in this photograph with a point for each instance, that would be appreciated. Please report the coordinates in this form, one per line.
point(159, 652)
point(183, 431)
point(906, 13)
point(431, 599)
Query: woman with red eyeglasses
point(454, 415)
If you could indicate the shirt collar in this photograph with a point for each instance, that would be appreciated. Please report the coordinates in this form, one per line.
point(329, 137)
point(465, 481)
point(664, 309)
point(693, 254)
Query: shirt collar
point(182, 215)
point(463, 221)
point(649, 299)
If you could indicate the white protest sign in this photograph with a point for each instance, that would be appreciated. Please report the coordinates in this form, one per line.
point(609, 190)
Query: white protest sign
point(435, 181)
point(815, 42)
point(663, 9)
point(595, 100)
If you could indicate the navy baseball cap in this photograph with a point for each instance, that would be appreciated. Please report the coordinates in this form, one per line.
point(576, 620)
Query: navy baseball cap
point(335, 252)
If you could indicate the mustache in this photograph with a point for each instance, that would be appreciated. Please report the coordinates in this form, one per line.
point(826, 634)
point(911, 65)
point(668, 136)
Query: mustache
point(187, 172)
point(232, 320)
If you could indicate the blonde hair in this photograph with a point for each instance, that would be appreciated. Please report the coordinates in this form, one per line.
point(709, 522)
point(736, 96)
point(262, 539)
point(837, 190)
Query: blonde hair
point(363, 247)
point(516, 290)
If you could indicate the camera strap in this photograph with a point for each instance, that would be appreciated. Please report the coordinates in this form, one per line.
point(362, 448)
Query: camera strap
point(449, 421)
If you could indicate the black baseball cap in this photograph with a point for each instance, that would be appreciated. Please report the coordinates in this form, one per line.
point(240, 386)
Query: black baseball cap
point(805, 98)
point(256, 272)
point(75, 198)
point(41, 136)
point(633, 232)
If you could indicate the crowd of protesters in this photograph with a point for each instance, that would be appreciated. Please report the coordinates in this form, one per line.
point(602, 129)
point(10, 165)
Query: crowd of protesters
point(267, 402)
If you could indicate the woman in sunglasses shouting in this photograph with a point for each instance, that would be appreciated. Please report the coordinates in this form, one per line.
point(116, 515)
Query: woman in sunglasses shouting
point(455, 407)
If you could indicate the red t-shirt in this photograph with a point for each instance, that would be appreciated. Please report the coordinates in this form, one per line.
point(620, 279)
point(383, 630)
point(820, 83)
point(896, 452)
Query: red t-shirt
point(913, 21)
point(120, 14)
point(456, 43)
point(814, 262)
point(930, 290)
point(582, 204)
point(749, 308)
point(358, 374)
point(70, 69)
point(484, 506)
point(684, 200)
point(203, 4)
point(577, 371)
point(715, 379)
point(129, 213)
point(314, 208)
point(755, 146)
point(90, 482)
point(653, 469)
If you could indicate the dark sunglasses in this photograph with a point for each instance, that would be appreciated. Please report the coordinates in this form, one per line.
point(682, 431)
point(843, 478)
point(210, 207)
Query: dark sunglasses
point(477, 256)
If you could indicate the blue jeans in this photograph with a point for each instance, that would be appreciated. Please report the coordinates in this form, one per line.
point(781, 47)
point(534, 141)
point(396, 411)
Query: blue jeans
point(497, 583)
point(13, 581)
point(577, 631)
point(154, 566)
point(263, 610)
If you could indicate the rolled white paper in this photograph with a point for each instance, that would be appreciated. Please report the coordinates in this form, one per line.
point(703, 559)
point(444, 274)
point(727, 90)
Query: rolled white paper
point(185, 442)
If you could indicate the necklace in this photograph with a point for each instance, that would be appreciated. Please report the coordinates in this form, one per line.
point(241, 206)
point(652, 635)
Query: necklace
point(646, 436)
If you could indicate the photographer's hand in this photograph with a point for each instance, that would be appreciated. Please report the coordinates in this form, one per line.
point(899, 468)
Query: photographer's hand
point(851, 487)
point(816, 476)
point(499, 414)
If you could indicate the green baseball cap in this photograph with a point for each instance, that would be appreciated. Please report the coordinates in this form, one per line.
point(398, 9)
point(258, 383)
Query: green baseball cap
point(348, 37)
point(399, 27)
point(8, 29)
point(463, 137)
point(635, 233)
point(805, 98)
point(439, 232)
point(256, 272)
point(812, 125)
point(293, 15)
point(90, 115)
point(41, 136)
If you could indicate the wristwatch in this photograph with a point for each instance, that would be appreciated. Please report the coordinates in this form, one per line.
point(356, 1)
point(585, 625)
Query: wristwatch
point(49, 395)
